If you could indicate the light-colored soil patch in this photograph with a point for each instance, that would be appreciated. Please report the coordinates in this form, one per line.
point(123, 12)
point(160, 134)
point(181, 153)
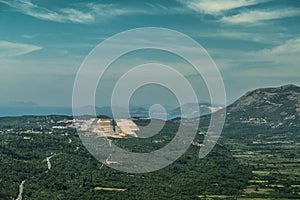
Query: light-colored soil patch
point(110, 189)
point(259, 191)
point(215, 196)
point(262, 173)
point(258, 181)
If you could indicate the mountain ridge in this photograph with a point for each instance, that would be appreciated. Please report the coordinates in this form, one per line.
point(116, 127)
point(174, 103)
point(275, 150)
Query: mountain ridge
point(276, 107)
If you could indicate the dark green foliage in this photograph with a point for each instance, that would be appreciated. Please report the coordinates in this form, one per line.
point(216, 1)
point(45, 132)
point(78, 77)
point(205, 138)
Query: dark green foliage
point(75, 173)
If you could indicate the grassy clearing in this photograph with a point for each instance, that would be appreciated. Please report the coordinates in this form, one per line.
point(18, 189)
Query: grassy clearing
point(261, 173)
point(290, 171)
point(110, 189)
point(258, 181)
point(216, 196)
point(254, 190)
point(253, 198)
point(242, 155)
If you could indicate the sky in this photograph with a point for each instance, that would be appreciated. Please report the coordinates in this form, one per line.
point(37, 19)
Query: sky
point(254, 43)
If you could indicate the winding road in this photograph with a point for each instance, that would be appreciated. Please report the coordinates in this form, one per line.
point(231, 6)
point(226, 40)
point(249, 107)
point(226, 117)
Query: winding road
point(48, 161)
point(21, 188)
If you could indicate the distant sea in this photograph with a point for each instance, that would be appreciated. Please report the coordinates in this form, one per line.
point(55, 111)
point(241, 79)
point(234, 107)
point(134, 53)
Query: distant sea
point(106, 111)
point(40, 111)
point(34, 110)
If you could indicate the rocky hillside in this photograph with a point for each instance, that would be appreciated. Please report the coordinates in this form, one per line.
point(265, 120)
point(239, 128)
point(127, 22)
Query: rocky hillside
point(273, 107)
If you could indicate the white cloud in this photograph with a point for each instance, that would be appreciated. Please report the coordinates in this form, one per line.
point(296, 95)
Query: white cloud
point(284, 55)
point(28, 36)
point(216, 6)
point(77, 16)
point(287, 53)
point(15, 49)
point(260, 15)
point(62, 15)
point(105, 10)
point(280, 61)
point(252, 36)
point(83, 13)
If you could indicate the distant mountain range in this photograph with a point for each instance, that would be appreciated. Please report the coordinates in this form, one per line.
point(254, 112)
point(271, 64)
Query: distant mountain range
point(281, 103)
point(135, 111)
point(191, 109)
point(10, 110)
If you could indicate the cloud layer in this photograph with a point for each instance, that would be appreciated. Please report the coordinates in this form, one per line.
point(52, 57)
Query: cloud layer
point(286, 54)
point(8, 49)
point(260, 15)
point(214, 7)
point(85, 15)
point(244, 15)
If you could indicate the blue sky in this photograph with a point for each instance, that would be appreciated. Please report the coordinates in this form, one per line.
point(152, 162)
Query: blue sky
point(255, 43)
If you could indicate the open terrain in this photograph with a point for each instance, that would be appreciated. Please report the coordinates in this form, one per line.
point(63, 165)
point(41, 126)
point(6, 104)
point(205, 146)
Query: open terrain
point(257, 157)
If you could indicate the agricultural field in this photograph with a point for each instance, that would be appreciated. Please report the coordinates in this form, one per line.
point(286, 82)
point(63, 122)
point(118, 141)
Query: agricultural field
point(273, 156)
